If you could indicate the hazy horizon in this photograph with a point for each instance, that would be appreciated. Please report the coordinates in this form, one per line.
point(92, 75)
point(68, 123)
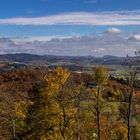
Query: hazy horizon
point(70, 27)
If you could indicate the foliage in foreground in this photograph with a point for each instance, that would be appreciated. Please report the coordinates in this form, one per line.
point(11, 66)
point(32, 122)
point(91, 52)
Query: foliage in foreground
point(59, 105)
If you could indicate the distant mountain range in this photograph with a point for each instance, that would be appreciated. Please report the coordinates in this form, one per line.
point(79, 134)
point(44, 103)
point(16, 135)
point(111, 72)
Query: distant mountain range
point(51, 59)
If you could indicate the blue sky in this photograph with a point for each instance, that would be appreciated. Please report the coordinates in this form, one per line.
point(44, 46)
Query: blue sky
point(42, 8)
point(49, 19)
point(15, 8)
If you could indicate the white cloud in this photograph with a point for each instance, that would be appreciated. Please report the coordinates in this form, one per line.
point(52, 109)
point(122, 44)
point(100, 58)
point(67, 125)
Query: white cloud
point(36, 38)
point(96, 45)
point(135, 37)
point(114, 30)
point(91, 1)
point(80, 18)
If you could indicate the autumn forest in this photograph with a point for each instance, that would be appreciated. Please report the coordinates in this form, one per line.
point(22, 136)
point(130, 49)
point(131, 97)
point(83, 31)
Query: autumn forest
point(59, 104)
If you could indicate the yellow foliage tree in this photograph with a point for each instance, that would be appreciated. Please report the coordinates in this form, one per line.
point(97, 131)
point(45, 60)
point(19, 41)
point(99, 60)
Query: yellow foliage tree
point(41, 118)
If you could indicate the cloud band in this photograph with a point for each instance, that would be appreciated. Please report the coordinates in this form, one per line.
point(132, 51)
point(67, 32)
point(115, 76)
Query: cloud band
point(80, 18)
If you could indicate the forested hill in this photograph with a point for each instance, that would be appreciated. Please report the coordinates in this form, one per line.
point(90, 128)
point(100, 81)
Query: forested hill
point(31, 58)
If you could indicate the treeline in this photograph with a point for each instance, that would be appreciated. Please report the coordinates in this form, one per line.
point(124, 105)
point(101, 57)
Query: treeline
point(57, 104)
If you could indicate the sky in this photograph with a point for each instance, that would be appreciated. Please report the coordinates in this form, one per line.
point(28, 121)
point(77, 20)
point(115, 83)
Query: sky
point(70, 27)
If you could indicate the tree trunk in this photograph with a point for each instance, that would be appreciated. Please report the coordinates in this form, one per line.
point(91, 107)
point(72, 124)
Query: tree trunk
point(129, 114)
point(98, 114)
point(14, 128)
point(78, 124)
